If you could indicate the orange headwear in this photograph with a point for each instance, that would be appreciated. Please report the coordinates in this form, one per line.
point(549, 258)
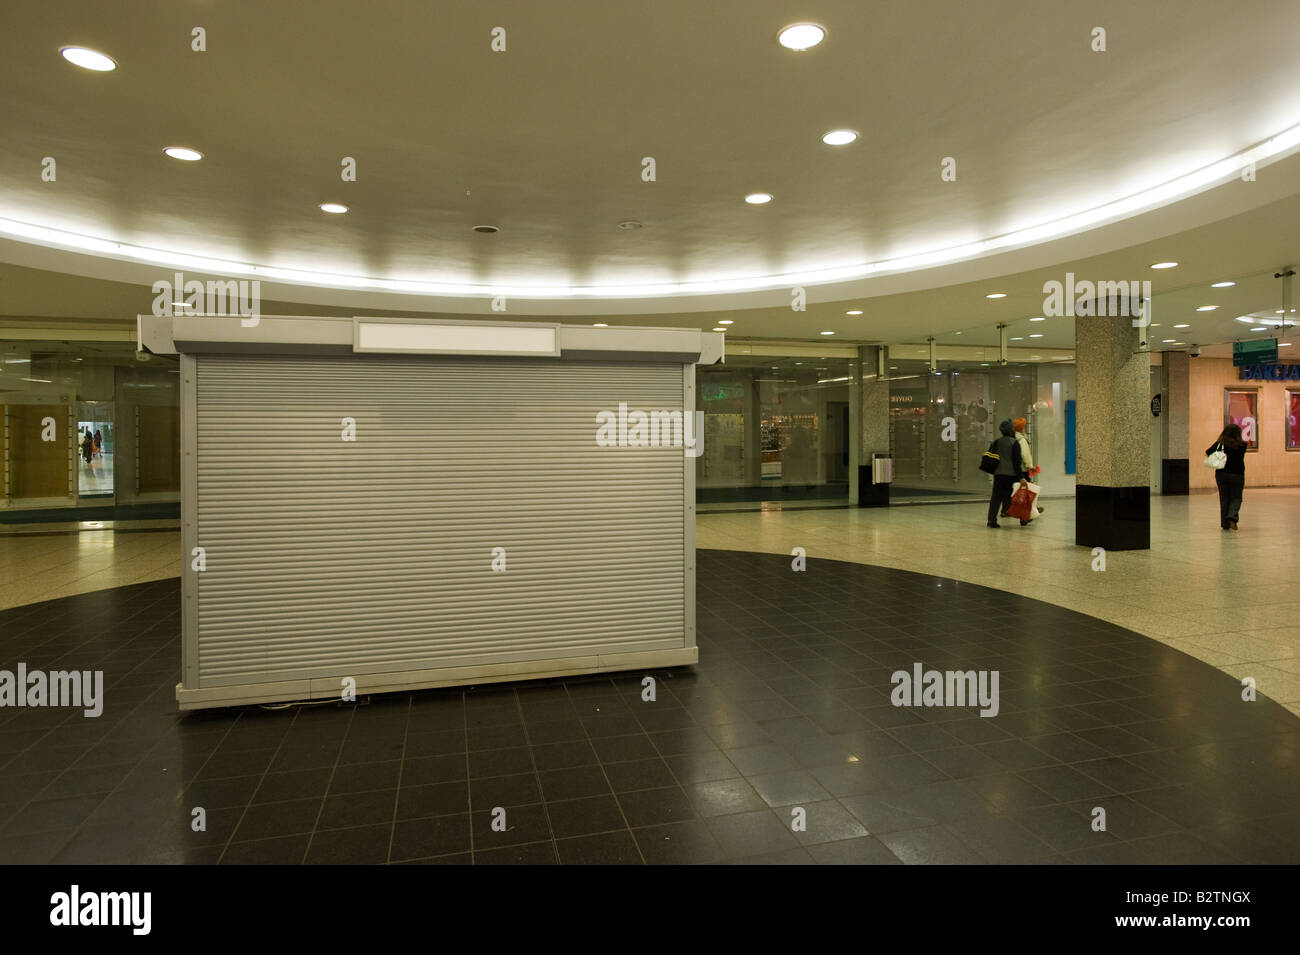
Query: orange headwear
point(1019, 424)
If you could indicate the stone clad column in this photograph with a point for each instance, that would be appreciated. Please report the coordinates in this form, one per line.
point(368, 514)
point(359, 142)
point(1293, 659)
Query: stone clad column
point(873, 424)
point(1112, 503)
point(1175, 377)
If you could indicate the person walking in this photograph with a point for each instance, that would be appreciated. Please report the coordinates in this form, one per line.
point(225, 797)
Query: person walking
point(1005, 478)
point(1026, 458)
point(1231, 478)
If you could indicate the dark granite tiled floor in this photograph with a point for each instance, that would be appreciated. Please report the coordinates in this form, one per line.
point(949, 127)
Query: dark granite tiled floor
point(789, 707)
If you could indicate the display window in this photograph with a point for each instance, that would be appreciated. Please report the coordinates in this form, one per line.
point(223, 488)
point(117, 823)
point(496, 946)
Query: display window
point(1292, 424)
point(1242, 408)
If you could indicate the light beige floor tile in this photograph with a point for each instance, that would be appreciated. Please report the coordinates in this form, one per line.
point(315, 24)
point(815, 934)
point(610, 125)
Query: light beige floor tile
point(1276, 684)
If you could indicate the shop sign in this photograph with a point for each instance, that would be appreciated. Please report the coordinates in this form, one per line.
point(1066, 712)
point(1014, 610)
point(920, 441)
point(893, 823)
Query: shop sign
point(1261, 351)
point(1270, 372)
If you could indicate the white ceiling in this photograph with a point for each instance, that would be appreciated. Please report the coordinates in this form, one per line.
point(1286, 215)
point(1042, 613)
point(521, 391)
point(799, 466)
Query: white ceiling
point(545, 141)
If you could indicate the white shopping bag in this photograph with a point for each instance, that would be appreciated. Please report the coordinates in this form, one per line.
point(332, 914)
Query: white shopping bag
point(1034, 489)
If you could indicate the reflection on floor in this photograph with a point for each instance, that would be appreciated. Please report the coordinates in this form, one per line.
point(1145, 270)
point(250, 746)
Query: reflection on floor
point(1228, 598)
point(95, 478)
point(41, 565)
point(787, 715)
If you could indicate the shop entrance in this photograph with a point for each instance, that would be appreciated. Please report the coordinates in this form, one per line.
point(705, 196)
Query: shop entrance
point(95, 445)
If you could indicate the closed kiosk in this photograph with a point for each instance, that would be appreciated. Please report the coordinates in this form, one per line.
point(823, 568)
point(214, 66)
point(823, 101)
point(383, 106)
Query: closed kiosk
point(374, 505)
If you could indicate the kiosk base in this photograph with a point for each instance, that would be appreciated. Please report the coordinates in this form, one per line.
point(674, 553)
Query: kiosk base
point(331, 687)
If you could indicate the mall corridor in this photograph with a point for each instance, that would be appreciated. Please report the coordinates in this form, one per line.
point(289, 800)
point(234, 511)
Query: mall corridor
point(584, 433)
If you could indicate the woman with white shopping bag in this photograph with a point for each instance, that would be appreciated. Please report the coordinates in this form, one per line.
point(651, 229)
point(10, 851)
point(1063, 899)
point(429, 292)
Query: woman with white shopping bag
point(1228, 458)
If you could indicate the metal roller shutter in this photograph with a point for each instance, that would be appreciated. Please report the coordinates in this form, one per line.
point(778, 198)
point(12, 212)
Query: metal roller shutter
point(327, 557)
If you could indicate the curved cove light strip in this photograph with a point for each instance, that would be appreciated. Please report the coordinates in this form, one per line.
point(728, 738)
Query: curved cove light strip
point(1181, 187)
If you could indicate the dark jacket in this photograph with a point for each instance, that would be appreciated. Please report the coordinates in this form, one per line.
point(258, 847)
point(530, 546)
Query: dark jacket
point(1008, 452)
point(1236, 459)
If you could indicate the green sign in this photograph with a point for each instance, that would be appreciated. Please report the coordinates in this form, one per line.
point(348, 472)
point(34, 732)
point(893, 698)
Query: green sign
point(1259, 352)
point(721, 392)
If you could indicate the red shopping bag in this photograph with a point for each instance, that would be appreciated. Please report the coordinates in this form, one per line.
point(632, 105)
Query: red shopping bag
point(1022, 503)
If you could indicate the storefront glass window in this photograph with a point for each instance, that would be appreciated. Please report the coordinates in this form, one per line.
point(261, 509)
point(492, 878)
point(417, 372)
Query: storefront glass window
point(1293, 420)
point(88, 424)
point(940, 423)
point(776, 430)
point(1242, 408)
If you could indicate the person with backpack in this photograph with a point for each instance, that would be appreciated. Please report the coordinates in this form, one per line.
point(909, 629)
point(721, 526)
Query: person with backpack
point(1231, 478)
point(1007, 473)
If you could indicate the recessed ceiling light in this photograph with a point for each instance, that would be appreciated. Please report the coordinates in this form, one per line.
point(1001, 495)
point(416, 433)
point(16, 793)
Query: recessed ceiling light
point(335, 208)
point(839, 137)
point(1260, 329)
point(181, 305)
point(1283, 344)
point(854, 311)
point(1166, 341)
point(1036, 335)
point(628, 225)
point(801, 36)
point(1223, 285)
point(88, 59)
point(1165, 265)
point(1205, 177)
point(599, 325)
point(719, 328)
point(828, 333)
point(758, 198)
point(183, 153)
point(726, 321)
point(996, 295)
point(1038, 319)
point(486, 229)
point(1206, 308)
point(1182, 326)
point(1017, 338)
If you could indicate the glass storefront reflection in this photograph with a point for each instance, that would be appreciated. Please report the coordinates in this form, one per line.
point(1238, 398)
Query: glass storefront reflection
point(87, 423)
point(941, 422)
point(777, 430)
